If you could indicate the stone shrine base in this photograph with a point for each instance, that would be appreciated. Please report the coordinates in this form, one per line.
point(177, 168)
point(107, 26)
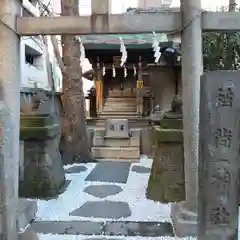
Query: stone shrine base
point(26, 212)
point(184, 221)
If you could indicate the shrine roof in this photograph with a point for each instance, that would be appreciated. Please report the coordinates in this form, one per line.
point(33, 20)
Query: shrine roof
point(112, 41)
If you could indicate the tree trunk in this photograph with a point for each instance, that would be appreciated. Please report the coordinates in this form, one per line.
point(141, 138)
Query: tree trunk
point(74, 143)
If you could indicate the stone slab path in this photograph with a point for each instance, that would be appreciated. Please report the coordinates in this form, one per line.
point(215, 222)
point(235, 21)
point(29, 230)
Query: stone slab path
point(80, 237)
point(109, 228)
point(103, 191)
point(103, 200)
point(103, 209)
point(114, 172)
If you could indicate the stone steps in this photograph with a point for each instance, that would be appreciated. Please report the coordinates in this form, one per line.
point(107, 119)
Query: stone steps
point(101, 230)
point(114, 142)
point(119, 104)
point(116, 153)
point(119, 111)
point(119, 93)
point(120, 108)
point(133, 122)
point(114, 113)
point(113, 103)
point(110, 116)
point(116, 147)
point(121, 99)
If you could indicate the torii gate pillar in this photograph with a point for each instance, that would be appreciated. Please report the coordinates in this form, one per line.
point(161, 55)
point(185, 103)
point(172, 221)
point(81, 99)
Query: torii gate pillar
point(10, 94)
point(184, 215)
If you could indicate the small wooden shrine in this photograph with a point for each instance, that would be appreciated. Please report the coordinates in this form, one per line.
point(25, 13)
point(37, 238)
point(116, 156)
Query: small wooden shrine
point(118, 82)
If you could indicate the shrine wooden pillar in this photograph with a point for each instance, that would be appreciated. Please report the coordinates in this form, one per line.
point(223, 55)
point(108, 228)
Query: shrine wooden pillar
point(139, 97)
point(99, 90)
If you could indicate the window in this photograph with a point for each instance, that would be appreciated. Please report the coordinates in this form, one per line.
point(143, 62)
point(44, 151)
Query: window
point(29, 59)
point(33, 58)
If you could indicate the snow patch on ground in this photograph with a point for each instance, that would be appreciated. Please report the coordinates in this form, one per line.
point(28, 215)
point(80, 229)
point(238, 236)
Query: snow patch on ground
point(58, 209)
point(82, 237)
point(133, 192)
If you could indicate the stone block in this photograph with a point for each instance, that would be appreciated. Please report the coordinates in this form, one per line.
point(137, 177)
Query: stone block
point(26, 213)
point(117, 128)
point(36, 120)
point(146, 143)
point(171, 123)
point(167, 135)
point(184, 221)
point(166, 182)
point(29, 235)
point(90, 134)
point(117, 153)
point(101, 133)
point(113, 142)
point(40, 126)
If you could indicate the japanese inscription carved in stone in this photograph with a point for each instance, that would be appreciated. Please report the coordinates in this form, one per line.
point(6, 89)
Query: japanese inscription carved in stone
point(117, 128)
point(218, 156)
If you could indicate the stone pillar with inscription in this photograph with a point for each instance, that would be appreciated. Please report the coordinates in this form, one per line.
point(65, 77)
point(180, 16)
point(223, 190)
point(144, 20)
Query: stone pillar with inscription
point(218, 156)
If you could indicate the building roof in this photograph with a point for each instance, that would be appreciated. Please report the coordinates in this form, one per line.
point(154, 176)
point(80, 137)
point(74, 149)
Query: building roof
point(112, 41)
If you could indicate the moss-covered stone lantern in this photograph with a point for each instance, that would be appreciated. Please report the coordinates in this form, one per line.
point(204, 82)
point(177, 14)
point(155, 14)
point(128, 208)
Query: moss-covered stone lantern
point(166, 182)
point(41, 171)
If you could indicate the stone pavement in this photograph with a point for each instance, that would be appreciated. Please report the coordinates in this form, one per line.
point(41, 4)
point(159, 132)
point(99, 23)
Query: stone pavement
point(102, 212)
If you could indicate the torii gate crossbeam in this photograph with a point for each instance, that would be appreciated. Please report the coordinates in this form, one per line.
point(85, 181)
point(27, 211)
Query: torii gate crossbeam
point(166, 22)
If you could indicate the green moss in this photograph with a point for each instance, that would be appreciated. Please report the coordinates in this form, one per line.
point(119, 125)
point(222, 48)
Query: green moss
point(171, 123)
point(39, 120)
point(40, 189)
point(167, 135)
point(166, 182)
point(38, 126)
point(162, 188)
point(39, 132)
point(32, 122)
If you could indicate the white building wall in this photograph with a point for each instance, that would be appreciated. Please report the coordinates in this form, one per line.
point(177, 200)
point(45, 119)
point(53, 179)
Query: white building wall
point(32, 75)
point(36, 74)
point(57, 74)
point(149, 3)
point(153, 3)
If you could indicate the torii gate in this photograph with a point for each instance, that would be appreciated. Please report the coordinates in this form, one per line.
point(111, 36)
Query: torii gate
point(190, 23)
